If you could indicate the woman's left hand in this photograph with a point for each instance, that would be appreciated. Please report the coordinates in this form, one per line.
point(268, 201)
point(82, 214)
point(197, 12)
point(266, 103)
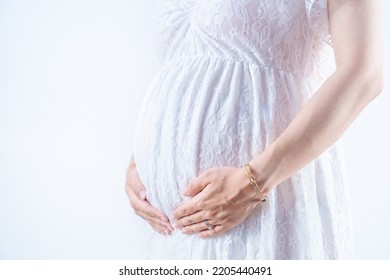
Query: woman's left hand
point(222, 197)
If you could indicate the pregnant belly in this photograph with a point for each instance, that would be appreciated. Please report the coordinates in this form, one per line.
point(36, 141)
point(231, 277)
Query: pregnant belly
point(166, 160)
point(166, 142)
point(189, 123)
point(172, 148)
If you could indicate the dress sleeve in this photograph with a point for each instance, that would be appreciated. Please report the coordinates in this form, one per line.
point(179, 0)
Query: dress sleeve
point(317, 13)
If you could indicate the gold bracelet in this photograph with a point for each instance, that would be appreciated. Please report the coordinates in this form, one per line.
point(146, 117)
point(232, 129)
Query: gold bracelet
point(253, 182)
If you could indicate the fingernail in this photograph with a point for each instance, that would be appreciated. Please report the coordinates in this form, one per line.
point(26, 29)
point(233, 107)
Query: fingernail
point(164, 219)
point(166, 232)
point(176, 225)
point(184, 231)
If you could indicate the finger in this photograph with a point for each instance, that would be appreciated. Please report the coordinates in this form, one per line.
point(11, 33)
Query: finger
point(133, 182)
point(157, 219)
point(161, 228)
point(166, 225)
point(158, 229)
point(137, 196)
point(145, 207)
point(195, 218)
point(218, 229)
point(188, 208)
point(193, 188)
point(197, 185)
point(194, 228)
point(142, 194)
point(154, 221)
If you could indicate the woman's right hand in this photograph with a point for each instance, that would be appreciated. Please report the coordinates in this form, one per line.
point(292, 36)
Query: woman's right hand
point(136, 192)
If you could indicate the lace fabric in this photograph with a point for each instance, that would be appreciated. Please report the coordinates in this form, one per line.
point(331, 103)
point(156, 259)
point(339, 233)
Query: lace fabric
point(234, 74)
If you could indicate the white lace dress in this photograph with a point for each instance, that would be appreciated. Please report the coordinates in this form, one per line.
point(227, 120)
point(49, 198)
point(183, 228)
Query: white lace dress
point(234, 75)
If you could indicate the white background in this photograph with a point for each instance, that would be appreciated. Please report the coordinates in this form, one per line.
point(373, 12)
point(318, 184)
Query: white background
point(72, 77)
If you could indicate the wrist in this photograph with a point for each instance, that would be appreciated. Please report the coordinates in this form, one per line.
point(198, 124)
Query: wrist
point(245, 186)
point(263, 169)
point(253, 183)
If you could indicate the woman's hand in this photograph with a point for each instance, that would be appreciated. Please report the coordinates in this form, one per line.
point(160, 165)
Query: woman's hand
point(222, 196)
point(136, 192)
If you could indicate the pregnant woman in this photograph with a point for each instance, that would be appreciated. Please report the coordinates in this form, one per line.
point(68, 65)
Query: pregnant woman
point(237, 151)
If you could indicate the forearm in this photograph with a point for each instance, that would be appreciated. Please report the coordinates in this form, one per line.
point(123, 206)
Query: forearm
point(318, 125)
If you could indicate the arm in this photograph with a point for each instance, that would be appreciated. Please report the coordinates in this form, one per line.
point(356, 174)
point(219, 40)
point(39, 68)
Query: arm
point(222, 195)
point(356, 36)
